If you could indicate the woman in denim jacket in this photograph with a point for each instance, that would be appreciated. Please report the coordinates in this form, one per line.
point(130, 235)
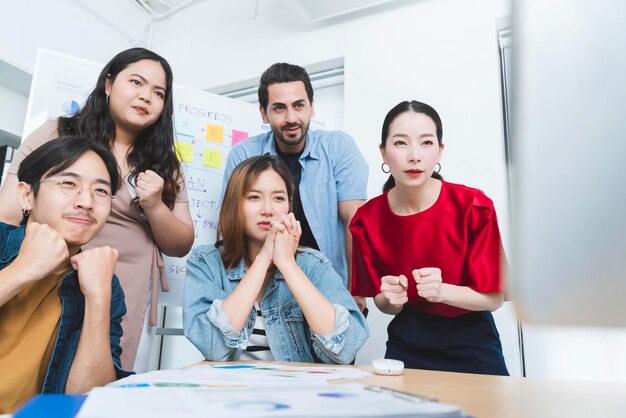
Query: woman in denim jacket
point(256, 274)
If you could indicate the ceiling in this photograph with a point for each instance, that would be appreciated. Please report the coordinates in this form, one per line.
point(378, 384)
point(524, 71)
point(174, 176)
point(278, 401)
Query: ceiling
point(132, 18)
point(314, 10)
point(162, 9)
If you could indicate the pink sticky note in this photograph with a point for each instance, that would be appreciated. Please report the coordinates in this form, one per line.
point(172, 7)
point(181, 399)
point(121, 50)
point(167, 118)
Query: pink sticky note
point(238, 136)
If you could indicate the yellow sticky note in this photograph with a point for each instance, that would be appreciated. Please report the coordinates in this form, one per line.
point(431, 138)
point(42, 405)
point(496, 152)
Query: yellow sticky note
point(215, 133)
point(184, 152)
point(212, 158)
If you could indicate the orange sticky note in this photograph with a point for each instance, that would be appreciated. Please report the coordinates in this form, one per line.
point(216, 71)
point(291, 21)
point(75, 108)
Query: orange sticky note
point(212, 158)
point(184, 152)
point(215, 133)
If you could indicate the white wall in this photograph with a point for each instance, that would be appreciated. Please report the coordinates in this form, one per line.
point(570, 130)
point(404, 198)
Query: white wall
point(12, 112)
point(575, 353)
point(60, 25)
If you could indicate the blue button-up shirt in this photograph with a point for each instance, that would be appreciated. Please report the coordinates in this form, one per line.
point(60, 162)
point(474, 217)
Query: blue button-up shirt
point(207, 326)
point(72, 313)
point(333, 170)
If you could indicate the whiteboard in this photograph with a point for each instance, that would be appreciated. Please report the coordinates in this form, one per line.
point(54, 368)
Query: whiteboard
point(61, 83)
point(206, 126)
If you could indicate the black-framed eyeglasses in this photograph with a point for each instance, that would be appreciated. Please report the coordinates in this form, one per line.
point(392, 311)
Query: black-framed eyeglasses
point(71, 187)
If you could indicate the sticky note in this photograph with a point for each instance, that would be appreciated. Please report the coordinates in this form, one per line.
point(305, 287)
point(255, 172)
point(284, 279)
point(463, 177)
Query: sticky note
point(215, 133)
point(212, 158)
point(238, 136)
point(184, 152)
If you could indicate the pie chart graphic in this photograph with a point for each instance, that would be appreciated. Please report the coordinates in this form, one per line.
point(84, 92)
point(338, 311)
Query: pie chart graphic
point(70, 106)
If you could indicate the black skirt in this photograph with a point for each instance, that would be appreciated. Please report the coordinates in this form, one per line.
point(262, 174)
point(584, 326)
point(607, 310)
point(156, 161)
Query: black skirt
point(467, 343)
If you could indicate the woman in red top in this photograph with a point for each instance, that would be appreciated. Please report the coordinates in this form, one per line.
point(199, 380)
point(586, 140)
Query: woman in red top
point(429, 252)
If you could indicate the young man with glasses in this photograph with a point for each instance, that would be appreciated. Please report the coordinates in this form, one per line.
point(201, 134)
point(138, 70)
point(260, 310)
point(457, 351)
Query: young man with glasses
point(60, 307)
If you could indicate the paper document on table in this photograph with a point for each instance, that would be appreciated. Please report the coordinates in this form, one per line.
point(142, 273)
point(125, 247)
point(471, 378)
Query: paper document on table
point(328, 401)
point(240, 375)
point(306, 373)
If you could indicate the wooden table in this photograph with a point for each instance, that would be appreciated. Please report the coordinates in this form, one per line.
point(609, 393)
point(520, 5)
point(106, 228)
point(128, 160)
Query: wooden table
point(484, 396)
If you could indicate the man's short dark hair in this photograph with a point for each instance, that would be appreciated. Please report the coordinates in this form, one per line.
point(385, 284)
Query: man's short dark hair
point(55, 156)
point(282, 72)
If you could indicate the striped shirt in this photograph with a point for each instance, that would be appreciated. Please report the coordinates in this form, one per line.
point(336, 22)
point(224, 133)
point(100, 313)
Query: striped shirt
point(258, 347)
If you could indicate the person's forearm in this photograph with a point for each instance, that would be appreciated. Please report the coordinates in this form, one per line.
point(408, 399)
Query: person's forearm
point(318, 311)
point(346, 210)
point(93, 363)
point(173, 236)
point(349, 256)
point(360, 300)
point(382, 303)
point(238, 304)
point(467, 298)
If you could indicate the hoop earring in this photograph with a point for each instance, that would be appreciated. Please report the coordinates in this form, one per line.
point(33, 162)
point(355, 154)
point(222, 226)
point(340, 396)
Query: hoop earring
point(25, 213)
point(382, 167)
point(437, 171)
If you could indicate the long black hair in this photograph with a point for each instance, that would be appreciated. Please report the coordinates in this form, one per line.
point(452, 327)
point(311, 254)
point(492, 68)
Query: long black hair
point(416, 107)
point(153, 148)
point(55, 156)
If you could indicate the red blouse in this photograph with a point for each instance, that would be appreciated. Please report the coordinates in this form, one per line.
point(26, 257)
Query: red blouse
point(459, 234)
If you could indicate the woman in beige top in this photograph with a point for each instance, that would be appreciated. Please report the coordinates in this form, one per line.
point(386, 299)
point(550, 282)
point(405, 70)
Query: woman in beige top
point(130, 111)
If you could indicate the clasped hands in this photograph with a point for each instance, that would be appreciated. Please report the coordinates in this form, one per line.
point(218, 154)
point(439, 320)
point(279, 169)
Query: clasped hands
point(282, 240)
point(427, 280)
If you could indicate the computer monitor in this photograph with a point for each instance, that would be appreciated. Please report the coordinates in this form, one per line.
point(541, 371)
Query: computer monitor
point(568, 152)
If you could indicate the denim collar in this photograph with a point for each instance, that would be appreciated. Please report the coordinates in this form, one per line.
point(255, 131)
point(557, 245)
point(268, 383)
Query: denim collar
point(14, 241)
point(237, 272)
point(310, 150)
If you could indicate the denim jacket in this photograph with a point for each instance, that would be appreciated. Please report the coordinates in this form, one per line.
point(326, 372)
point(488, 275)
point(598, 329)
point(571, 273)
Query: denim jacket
point(208, 327)
point(72, 313)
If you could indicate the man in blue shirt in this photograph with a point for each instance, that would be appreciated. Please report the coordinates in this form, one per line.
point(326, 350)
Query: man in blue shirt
point(60, 307)
point(328, 170)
